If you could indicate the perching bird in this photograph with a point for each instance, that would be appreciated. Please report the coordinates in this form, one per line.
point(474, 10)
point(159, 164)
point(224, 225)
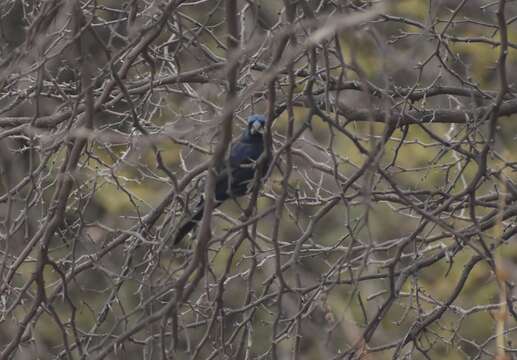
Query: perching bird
point(235, 176)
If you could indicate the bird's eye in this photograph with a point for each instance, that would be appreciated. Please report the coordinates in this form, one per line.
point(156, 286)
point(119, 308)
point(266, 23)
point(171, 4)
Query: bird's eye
point(256, 127)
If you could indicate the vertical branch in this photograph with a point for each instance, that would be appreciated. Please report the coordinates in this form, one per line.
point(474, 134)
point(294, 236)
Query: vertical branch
point(57, 207)
point(199, 259)
point(226, 132)
point(501, 272)
point(279, 206)
point(502, 276)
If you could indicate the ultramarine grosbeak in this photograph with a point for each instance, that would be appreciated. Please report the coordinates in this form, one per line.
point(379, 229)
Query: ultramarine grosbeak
point(235, 175)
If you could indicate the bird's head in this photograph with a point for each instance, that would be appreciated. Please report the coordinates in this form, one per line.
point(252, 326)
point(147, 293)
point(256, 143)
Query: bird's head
point(256, 124)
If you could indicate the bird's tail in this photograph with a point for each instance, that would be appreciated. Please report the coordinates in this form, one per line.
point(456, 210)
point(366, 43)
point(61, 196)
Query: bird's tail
point(190, 224)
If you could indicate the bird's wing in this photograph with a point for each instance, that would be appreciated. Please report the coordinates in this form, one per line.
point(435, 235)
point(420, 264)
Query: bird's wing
point(189, 224)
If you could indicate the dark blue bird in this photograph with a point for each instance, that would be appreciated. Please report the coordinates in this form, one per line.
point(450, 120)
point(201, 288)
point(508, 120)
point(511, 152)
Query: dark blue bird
point(235, 176)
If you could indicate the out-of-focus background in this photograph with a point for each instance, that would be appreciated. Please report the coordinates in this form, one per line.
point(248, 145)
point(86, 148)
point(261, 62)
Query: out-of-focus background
point(383, 227)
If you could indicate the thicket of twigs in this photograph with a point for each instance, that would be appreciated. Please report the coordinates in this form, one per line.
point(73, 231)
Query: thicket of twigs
point(384, 226)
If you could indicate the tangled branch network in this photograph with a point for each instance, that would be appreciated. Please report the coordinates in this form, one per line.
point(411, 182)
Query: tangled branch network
point(258, 179)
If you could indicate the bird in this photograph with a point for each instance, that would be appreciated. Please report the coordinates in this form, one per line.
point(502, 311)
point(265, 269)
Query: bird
point(235, 175)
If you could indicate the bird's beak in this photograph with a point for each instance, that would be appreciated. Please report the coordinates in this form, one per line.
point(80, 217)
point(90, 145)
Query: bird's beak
point(256, 128)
